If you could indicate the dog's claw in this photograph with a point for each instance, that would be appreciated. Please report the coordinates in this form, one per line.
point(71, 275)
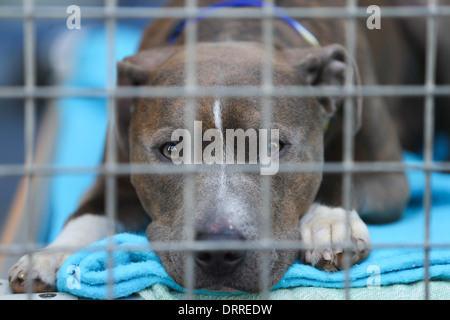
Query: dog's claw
point(21, 275)
point(327, 255)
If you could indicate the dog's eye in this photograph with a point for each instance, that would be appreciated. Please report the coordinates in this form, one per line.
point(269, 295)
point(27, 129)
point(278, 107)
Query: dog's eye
point(274, 147)
point(169, 150)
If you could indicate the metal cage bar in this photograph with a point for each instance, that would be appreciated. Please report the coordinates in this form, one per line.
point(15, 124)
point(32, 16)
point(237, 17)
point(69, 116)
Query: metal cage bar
point(53, 92)
point(95, 12)
point(430, 74)
point(348, 139)
point(111, 152)
point(267, 86)
point(190, 115)
point(30, 118)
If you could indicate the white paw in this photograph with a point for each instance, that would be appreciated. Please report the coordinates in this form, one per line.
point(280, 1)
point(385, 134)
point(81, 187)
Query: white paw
point(325, 233)
point(41, 270)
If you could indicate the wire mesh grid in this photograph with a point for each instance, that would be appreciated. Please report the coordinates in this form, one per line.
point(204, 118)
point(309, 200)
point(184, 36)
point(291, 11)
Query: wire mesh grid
point(110, 12)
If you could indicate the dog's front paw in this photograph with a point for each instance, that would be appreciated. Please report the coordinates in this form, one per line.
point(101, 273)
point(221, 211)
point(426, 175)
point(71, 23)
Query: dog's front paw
point(324, 232)
point(40, 269)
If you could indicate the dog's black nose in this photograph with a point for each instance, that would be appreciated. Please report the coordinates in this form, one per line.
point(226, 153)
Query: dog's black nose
point(219, 262)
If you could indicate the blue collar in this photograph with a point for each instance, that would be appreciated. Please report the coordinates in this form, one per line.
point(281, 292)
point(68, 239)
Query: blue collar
point(297, 26)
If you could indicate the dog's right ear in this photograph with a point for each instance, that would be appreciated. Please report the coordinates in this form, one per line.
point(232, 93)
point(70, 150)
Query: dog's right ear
point(324, 66)
point(136, 71)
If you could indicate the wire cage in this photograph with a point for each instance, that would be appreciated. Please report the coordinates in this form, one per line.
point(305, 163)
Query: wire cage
point(22, 229)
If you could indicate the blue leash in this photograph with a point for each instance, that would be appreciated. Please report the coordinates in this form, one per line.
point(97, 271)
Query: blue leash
point(297, 26)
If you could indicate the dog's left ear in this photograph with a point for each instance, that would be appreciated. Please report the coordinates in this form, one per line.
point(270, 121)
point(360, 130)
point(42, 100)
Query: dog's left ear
point(136, 71)
point(324, 66)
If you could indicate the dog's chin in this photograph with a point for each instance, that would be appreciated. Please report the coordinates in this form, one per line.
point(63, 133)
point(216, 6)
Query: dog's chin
point(228, 286)
point(221, 289)
point(233, 283)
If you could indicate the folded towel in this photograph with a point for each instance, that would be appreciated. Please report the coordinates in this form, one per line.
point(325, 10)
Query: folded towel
point(134, 271)
point(85, 273)
point(438, 290)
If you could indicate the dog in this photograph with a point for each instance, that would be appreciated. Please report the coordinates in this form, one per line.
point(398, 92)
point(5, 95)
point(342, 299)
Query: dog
point(305, 206)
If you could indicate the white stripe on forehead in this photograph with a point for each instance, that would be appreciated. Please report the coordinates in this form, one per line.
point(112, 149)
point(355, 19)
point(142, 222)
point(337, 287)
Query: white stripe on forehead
point(235, 206)
point(217, 111)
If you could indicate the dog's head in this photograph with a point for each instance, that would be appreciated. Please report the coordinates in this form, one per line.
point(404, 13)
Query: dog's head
point(227, 204)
